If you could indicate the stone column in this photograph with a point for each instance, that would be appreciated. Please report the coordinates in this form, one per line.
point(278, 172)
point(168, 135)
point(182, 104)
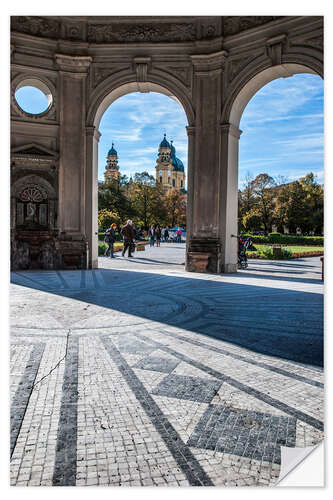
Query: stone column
point(228, 215)
point(91, 208)
point(73, 72)
point(204, 245)
point(72, 103)
point(190, 181)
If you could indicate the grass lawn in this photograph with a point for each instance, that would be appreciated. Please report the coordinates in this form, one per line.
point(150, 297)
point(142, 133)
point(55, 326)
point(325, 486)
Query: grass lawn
point(294, 249)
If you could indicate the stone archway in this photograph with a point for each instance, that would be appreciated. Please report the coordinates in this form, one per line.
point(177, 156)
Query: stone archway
point(103, 99)
point(211, 65)
point(231, 117)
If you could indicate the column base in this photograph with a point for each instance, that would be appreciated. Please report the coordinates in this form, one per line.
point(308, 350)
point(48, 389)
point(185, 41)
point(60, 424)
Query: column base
point(203, 256)
point(229, 268)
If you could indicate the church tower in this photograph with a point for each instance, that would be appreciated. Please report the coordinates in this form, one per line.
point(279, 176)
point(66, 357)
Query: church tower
point(169, 169)
point(111, 168)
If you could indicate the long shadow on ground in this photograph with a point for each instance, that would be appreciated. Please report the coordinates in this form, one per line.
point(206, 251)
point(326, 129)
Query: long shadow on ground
point(271, 321)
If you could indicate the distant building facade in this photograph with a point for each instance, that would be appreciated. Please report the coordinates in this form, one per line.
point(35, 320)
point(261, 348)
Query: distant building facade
point(111, 168)
point(170, 170)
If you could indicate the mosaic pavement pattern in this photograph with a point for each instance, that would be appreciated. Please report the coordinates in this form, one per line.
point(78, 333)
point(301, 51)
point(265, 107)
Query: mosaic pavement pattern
point(139, 374)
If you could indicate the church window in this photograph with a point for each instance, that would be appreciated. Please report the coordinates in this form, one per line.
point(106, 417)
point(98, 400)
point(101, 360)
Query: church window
point(168, 180)
point(173, 182)
point(160, 178)
point(181, 183)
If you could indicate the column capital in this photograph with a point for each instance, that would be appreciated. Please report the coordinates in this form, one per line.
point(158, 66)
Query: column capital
point(73, 64)
point(93, 131)
point(206, 63)
point(229, 128)
point(190, 129)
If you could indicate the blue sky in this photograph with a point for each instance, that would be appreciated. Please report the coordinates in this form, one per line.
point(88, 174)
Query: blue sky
point(136, 124)
point(282, 129)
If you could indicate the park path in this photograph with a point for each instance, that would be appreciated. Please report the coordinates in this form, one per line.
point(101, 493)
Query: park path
point(138, 373)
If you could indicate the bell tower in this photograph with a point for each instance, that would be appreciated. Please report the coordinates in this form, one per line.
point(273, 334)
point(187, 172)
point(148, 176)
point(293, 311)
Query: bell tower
point(111, 168)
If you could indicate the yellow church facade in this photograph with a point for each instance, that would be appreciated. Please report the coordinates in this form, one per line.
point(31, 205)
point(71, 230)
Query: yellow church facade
point(170, 170)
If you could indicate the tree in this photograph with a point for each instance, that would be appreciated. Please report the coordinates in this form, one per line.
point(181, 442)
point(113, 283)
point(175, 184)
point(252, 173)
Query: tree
point(290, 208)
point(252, 221)
point(113, 197)
point(301, 204)
point(106, 218)
point(246, 200)
point(314, 203)
point(264, 194)
point(142, 194)
point(175, 205)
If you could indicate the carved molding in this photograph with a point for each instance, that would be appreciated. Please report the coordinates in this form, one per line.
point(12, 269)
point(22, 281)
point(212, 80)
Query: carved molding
point(236, 24)
point(38, 26)
point(143, 32)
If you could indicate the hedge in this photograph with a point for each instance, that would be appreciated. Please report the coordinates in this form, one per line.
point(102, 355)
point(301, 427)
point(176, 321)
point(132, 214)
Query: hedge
point(293, 255)
point(286, 239)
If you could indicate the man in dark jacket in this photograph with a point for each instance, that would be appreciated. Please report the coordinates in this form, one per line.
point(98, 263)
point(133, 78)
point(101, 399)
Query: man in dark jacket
point(128, 235)
point(110, 238)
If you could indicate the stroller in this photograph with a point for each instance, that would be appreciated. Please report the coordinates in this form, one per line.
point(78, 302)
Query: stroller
point(243, 245)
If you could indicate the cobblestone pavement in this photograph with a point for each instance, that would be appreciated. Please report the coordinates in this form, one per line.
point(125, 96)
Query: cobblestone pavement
point(139, 373)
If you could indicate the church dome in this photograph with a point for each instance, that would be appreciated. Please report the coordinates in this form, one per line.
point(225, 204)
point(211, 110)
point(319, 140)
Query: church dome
point(112, 151)
point(164, 143)
point(176, 162)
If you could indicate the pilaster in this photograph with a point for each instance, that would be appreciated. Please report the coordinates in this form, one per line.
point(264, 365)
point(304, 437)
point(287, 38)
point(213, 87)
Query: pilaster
point(203, 246)
point(73, 191)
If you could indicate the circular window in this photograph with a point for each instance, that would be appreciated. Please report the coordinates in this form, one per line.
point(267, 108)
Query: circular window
point(33, 97)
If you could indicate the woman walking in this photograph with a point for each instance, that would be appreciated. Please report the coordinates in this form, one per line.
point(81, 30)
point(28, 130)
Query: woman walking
point(110, 238)
point(158, 235)
point(151, 233)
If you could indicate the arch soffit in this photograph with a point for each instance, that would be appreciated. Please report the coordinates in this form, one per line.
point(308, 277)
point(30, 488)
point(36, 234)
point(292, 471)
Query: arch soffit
point(110, 90)
point(32, 179)
point(257, 77)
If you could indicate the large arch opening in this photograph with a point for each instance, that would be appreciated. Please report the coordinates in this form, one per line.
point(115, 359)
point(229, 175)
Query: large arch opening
point(114, 149)
point(235, 114)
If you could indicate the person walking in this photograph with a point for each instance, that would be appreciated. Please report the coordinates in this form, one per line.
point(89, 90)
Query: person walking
point(151, 233)
point(166, 235)
point(110, 238)
point(158, 235)
point(128, 234)
point(179, 233)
